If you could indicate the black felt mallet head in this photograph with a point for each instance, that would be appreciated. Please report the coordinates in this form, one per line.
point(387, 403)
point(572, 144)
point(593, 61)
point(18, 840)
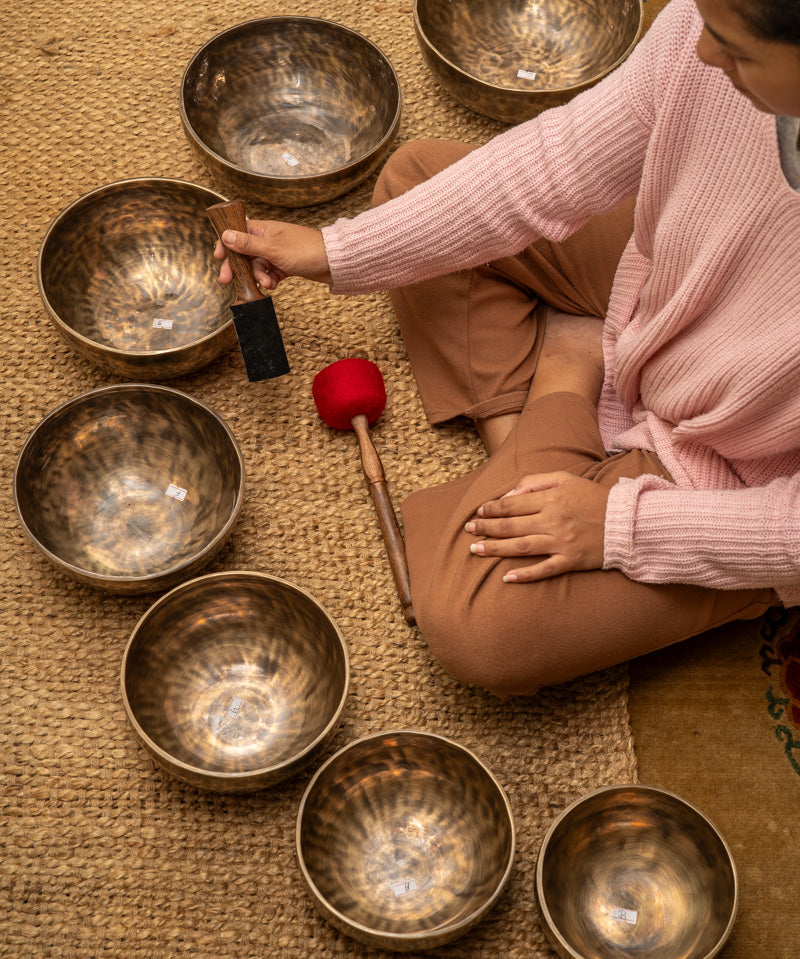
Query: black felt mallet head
point(253, 313)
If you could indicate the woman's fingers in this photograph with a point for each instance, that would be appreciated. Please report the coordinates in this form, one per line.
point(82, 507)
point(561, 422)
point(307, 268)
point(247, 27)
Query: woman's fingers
point(514, 546)
point(547, 567)
point(557, 518)
point(515, 519)
point(278, 249)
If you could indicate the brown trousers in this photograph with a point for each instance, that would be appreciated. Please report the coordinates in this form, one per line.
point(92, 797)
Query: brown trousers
point(473, 341)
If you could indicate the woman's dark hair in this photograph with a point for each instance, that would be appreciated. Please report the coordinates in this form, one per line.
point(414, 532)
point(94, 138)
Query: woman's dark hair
point(771, 19)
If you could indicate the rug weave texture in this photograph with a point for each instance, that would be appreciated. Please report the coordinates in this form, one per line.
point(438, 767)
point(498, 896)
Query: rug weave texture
point(101, 853)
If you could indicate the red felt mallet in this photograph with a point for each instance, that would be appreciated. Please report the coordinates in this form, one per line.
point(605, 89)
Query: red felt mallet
point(350, 395)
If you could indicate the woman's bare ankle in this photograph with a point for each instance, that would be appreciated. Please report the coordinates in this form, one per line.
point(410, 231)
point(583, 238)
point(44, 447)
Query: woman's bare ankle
point(495, 430)
point(571, 359)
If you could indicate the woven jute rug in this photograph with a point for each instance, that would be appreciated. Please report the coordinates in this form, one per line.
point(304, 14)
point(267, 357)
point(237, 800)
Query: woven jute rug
point(101, 853)
point(717, 720)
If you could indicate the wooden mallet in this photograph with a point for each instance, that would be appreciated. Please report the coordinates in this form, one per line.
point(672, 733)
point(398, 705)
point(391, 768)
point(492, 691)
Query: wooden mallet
point(350, 395)
point(254, 318)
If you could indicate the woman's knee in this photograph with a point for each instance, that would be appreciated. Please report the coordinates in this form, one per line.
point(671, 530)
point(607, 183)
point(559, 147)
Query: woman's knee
point(414, 163)
point(482, 648)
point(404, 169)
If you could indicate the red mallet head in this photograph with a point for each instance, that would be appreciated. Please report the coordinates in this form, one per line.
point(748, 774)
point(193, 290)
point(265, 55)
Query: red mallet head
point(346, 389)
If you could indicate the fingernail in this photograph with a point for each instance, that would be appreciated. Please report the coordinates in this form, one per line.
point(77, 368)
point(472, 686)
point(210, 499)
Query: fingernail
point(510, 578)
point(476, 548)
point(229, 238)
point(470, 527)
point(480, 511)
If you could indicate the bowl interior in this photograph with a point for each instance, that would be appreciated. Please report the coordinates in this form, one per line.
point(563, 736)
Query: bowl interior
point(290, 97)
point(235, 672)
point(637, 872)
point(531, 44)
point(131, 267)
point(405, 833)
point(128, 481)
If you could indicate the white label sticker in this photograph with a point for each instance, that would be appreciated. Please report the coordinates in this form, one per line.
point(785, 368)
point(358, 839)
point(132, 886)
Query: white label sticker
point(177, 492)
point(626, 915)
point(401, 888)
point(289, 160)
point(159, 323)
point(526, 74)
point(235, 707)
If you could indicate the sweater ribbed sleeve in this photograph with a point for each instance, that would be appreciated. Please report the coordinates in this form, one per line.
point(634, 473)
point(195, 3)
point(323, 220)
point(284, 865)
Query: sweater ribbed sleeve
point(543, 178)
point(708, 540)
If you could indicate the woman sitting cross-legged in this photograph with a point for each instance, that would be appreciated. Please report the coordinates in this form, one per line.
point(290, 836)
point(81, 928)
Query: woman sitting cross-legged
point(611, 292)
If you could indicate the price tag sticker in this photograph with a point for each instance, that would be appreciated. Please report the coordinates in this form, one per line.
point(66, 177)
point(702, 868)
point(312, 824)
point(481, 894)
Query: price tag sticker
point(526, 74)
point(159, 323)
point(235, 707)
point(177, 492)
point(290, 160)
point(405, 887)
point(626, 915)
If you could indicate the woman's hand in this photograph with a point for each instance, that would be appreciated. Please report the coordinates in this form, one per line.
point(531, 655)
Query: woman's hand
point(278, 250)
point(556, 517)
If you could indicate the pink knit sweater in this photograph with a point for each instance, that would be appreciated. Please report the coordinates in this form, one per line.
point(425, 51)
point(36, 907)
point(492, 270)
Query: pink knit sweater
point(702, 339)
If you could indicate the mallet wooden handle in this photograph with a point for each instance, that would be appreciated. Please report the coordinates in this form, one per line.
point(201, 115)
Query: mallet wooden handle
point(392, 537)
point(231, 216)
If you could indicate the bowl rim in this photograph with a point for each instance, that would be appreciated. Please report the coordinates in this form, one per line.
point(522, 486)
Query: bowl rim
point(541, 899)
point(588, 81)
point(216, 776)
point(451, 930)
point(241, 171)
point(90, 576)
point(69, 330)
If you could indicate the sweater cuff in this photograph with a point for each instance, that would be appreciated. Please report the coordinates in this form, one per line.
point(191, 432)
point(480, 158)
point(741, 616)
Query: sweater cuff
point(719, 539)
point(620, 512)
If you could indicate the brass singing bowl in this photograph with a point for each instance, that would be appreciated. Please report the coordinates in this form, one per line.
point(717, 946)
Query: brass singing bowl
point(405, 840)
point(290, 110)
point(128, 277)
point(634, 871)
point(130, 488)
point(235, 681)
point(511, 59)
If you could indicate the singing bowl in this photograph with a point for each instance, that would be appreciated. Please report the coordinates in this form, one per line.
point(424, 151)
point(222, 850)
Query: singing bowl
point(130, 488)
point(405, 840)
point(511, 59)
point(290, 110)
point(234, 681)
point(634, 871)
point(128, 277)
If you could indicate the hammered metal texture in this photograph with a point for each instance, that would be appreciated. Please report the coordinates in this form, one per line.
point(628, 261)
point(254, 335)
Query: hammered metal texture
point(510, 59)
point(130, 488)
point(292, 111)
point(405, 840)
point(633, 871)
point(128, 277)
point(234, 681)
